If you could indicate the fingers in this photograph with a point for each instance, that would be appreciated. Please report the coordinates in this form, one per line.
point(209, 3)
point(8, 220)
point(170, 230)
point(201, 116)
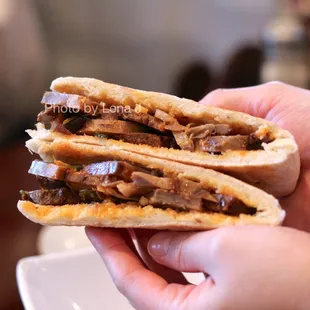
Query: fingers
point(143, 288)
point(258, 100)
point(128, 273)
point(188, 252)
point(142, 237)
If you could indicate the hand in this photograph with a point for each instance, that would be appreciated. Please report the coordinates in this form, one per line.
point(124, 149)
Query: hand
point(248, 268)
point(289, 107)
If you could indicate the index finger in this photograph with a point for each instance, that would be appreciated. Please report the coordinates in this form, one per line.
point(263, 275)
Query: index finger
point(126, 270)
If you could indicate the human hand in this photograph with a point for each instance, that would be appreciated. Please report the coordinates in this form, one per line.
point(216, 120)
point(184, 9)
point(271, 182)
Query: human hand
point(289, 107)
point(248, 268)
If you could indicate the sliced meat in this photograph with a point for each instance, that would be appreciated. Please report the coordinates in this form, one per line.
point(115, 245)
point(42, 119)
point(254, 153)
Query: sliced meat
point(183, 141)
point(132, 189)
point(53, 197)
point(151, 181)
point(103, 126)
point(218, 144)
point(172, 200)
point(190, 188)
point(57, 100)
point(48, 170)
point(146, 138)
point(109, 114)
point(203, 131)
point(170, 122)
point(46, 183)
point(144, 119)
point(81, 180)
point(115, 168)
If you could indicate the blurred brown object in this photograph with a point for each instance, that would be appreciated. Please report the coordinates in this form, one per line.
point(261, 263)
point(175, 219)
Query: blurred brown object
point(243, 68)
point(194, 81)
point(17, 234)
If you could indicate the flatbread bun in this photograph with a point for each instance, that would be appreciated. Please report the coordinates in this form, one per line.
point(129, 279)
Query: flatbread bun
point(131, 214)
point(262, 168)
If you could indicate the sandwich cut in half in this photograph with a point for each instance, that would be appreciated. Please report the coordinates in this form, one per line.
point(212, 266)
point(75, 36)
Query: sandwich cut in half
point(153, 124)
point(96, 185)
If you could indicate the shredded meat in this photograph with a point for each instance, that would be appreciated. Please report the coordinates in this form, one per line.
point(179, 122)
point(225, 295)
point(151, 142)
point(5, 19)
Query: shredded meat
point(203, 131)
point(218, 144)
point(145, 119)
point(151, 181)
point(170, 122)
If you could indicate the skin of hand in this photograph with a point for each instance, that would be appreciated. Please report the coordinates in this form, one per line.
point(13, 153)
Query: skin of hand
point(245, 267)
point(248, 267)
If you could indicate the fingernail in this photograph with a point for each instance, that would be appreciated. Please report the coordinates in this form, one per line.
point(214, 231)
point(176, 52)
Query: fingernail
point(158, 245)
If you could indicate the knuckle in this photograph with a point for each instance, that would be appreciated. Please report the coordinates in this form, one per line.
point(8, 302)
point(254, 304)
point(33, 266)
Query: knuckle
point(123, 283)
point(170, 299)
point(275, 85)
point(177, 250)
point(217, 93)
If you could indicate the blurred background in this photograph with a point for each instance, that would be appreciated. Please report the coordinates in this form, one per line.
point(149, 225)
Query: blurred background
point(186, 48)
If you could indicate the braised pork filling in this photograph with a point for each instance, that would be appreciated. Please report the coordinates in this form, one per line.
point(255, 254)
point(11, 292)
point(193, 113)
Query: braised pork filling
point(121, 182)
point(76, 114)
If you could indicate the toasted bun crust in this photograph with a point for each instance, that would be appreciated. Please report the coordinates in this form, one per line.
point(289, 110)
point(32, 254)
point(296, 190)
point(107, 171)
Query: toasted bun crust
point(264, 169)
point(131, 214)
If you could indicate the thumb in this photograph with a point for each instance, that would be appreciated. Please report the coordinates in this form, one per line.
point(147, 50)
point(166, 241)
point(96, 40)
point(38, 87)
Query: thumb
point(187, 252)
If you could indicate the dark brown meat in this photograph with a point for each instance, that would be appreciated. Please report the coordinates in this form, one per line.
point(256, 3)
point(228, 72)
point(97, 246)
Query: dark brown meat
point(101, 126)
point(146, 138)
point(46, 183)
point(89, 196)
point(75, 123)
point(61, 103)
point(144, 119)
point(254, 143)
point(218, 144)
point(151, 181)
point(53, 197)
point(229, 205)
point(112, 168)
point(172, 200)
point(48, 170)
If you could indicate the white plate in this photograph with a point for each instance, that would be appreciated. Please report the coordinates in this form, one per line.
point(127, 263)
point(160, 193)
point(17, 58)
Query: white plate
point(72, 280)
point(54, 239)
